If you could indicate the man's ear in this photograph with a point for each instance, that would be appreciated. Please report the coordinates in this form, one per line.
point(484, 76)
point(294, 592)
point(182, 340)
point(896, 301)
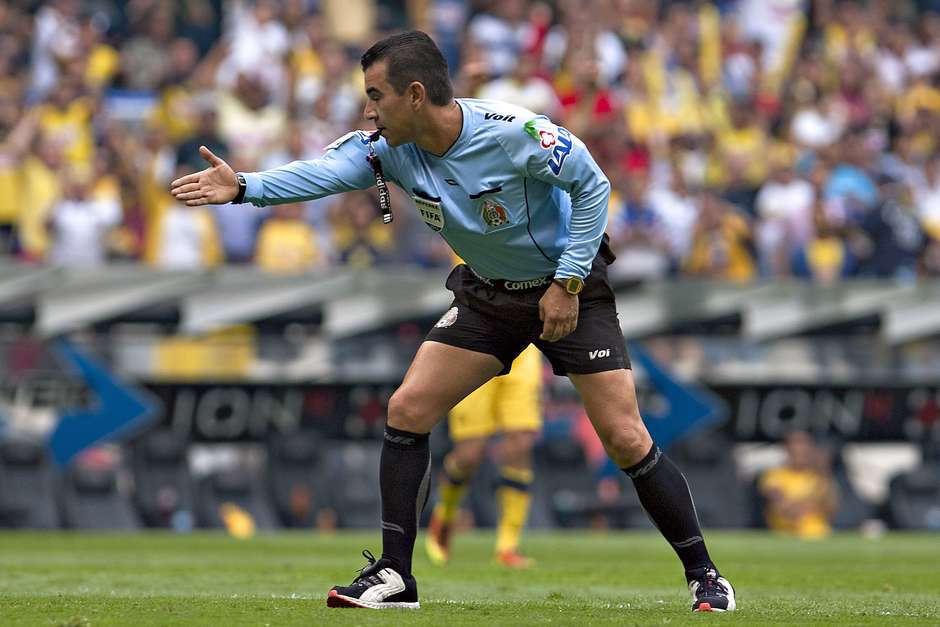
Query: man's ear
point(417, 95)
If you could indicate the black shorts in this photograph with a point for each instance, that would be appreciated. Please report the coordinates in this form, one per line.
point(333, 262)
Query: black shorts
point(487, 319)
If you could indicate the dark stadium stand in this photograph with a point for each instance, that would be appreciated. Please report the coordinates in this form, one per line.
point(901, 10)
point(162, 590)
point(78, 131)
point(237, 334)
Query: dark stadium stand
point(163, 487)
point(355, 490)
point(91, 499)
point(238, 487)
point(297, 483)
point(914, 499)
point(27, 485)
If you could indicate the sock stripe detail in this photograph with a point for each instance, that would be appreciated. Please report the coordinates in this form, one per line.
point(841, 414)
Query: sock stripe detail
point(644, 466)
point(506, 482)
point(520, 475)
point(688, 542)
point(424, 491)
point(393, 527)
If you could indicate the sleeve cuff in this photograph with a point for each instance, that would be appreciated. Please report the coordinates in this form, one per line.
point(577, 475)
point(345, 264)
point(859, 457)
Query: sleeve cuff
point(254, 188)
point(566, 271)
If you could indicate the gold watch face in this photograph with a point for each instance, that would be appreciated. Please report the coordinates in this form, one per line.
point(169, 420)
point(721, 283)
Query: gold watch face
point(574, 285)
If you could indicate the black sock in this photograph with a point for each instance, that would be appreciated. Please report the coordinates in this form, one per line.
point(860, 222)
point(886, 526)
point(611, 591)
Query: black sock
point(665, 496)
point(404, 474)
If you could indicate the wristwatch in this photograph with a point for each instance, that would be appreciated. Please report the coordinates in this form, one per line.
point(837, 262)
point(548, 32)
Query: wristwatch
point(242, 187)
point(572, 284)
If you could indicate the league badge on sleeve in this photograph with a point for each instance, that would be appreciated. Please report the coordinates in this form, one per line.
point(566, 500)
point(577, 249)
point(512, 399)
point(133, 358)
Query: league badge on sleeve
point(362, 135)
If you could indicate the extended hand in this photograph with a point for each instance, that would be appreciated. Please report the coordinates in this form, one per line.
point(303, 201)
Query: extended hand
point(216, 185)
point(558, 310)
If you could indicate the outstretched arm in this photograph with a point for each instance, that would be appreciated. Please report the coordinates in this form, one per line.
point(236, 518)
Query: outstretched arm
point(216, 185)
point(342, 168)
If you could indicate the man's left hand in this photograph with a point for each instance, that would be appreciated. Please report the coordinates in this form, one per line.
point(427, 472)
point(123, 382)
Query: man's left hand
point(558, 310)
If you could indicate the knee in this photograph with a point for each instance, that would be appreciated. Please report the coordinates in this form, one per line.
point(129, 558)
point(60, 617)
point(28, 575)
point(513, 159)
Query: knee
point(407, 412)
point(517, 449)
point(628, 442)
point(468, 454)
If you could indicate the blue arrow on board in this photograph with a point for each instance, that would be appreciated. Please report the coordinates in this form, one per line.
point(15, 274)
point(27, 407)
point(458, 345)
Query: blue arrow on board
point(690, 407)
point(117, 410)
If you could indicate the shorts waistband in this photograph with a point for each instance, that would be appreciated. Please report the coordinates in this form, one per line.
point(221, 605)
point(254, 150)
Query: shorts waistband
point(514, 287)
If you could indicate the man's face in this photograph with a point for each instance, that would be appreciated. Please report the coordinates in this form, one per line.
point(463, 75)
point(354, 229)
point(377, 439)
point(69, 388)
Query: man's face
point(390, 112)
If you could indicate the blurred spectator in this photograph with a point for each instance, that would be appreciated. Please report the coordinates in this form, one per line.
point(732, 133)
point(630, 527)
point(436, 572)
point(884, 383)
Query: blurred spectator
point(637, 231)
point(360, 239)
point(144, 57)
point(501, 32)
point(823, 257)
point(55, 38)
point(524, 88)
point(927, 196)
point(250, 122)
point(721, 242)
point(890, 240)
point(66, 120)
point(39, 189)
point(800, 495)
point(785, 208)
point(181, 237)
point(205, 134)
point(79, 222)
point(18, 137)
point(286, 243)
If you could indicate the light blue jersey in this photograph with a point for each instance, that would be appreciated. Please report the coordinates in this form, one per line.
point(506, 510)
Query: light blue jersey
point(516, 196)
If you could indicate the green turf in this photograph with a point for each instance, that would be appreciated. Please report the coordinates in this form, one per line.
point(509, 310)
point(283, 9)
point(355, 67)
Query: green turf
point(580, 579)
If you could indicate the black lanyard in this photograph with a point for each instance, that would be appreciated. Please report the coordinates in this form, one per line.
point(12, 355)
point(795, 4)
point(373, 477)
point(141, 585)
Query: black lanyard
point(385, 199)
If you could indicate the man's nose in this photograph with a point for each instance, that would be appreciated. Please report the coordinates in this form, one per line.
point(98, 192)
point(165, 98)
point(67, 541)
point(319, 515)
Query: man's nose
point(368, 112)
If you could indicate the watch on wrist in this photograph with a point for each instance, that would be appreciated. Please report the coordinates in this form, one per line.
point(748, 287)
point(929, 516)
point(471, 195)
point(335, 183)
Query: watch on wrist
point(242, 188)
point(572, 284)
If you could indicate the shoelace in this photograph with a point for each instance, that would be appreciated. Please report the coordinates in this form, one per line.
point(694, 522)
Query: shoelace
point(370, 579)
point(711, 587)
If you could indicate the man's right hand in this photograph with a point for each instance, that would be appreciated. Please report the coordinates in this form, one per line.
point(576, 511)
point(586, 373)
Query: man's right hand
point(216, 185)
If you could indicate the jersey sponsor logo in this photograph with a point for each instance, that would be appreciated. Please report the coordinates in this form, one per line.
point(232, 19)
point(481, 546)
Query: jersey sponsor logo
point(494, 215)
point(499, 116)
point(447, 319)
point(560, 151)
point(597, 354)
point(557, 139)
point(546, 139)
point(526, 285)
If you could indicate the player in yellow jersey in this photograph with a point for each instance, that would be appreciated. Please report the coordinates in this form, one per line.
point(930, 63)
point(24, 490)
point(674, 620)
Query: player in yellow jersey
point(510, 406)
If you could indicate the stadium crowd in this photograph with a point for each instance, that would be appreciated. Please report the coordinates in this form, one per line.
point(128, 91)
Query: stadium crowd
point(743, 138)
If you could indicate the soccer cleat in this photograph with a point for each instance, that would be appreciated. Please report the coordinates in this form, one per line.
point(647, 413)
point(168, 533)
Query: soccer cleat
point(377, 587)
point(437, 541)
point(514, 559)
point(711, 592)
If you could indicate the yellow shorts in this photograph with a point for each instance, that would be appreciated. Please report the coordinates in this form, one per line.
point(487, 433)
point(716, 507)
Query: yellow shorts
point(512, 402)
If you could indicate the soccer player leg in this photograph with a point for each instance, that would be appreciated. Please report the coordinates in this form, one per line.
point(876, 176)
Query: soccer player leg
point(610, 401)
point(519, 414)
point(470, 423)
point(439, 377)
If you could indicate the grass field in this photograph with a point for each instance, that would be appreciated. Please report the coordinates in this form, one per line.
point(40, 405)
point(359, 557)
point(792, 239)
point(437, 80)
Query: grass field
point(580, 579)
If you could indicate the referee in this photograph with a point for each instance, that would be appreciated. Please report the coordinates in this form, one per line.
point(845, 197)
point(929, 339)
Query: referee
point(522, 201)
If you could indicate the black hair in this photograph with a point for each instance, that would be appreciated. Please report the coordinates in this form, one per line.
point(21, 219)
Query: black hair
point(413, 56)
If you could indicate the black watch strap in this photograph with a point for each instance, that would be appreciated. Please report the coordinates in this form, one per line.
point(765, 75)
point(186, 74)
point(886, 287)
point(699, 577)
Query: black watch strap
point(242, 187)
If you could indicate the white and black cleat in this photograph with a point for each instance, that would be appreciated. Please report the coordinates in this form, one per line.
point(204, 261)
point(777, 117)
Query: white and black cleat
point(377, 587)
point(711, 592)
